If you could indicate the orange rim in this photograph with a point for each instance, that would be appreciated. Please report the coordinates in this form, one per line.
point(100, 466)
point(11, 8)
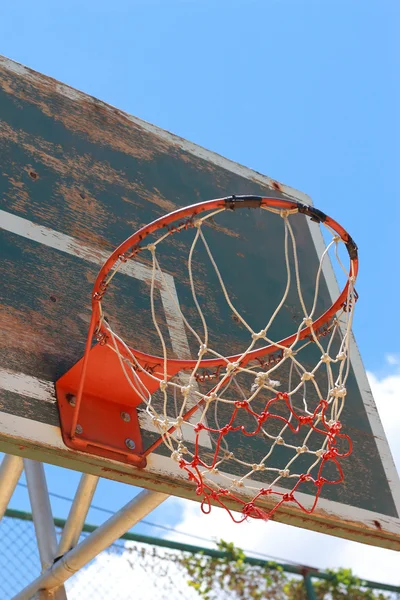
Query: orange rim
point(133, 246)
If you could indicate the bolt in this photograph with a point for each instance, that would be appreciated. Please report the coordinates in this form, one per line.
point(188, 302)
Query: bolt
point(130, 444)
point(71, 399)
point(125, 417)
point(79, 429)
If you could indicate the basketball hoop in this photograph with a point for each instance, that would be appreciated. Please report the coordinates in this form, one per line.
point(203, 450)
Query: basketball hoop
point(264, 391)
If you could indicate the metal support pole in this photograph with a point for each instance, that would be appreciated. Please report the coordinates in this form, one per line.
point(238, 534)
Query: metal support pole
point(308, 584)
point(42, 518)
point(41, 512)
point(95, 543)
point(10, 472)
point(77, 514)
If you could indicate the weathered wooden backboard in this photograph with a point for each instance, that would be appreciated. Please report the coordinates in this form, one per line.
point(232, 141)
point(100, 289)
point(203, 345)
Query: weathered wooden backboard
point(77, 177)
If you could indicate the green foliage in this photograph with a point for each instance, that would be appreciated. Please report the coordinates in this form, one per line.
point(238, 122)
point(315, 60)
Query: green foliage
point(343, 585)
point(231, 577)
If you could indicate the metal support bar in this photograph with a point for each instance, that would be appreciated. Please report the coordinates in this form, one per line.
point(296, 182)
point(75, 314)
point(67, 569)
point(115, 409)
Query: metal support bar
point(95, 543)
point(77, 514)
point(42, 518)
point(10, 472)
point(41, 511)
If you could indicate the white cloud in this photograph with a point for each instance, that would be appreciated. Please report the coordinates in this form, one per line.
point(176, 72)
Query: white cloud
point(386, 392)
point(302, 546)
point(392, 359)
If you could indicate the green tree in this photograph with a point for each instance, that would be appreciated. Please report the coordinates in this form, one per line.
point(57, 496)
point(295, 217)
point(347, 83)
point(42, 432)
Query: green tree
point(231, 577)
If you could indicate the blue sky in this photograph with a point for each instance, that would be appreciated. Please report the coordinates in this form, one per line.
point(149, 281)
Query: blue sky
point(305, 91)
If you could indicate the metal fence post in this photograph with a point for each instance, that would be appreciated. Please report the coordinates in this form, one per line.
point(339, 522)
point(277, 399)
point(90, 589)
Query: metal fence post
point(308, 584)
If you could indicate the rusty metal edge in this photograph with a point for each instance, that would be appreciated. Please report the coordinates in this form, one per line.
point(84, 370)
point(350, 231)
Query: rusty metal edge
point(319, 521)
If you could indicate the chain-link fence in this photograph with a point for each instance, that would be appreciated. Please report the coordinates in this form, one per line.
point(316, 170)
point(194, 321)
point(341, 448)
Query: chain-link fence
point(132, 570)
point(126, 570)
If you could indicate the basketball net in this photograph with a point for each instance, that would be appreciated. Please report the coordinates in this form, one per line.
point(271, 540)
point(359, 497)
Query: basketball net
point(283, 405)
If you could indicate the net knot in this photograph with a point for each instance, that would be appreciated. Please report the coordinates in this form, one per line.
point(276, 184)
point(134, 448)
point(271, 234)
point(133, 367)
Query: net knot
point(241, 403)
point(326, 358)
point(237, 483)
point(334, 427)
point(212, 396)
point(248, 509)
point(284, 214)
point(306, 420)
point(199, 427)
point(186, 389)
point(176, 456)
point(263, 379)
point(319, 452)
point(288, 352)
point(331, 453)
point(162, 424)
point(338, 392)
point(337, 238)
point(226, 429)
point(341, 356)
point(151, 248)
point(163, 385)
point(202, 349)
point(257, 467)
point(258, 336)
point(307, 376)
point(284, 473)
point(214, 471)
point(231, 367)
point(308, 322)
point(288, 497)
point(280, 440)
point(301, 449)
point(179, 421)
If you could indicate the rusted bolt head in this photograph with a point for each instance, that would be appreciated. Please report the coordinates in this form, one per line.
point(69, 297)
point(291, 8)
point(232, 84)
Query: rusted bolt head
point(125, 417)
point(130, 444)
point(71, 399)
point(79, 429)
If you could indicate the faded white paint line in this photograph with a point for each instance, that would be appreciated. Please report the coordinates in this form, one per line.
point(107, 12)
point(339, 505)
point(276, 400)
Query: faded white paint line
point(25, 385)
point(40, 389)
point(40, 434)
point(69, 245)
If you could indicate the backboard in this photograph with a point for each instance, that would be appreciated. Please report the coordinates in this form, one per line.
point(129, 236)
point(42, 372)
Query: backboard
point(77, 178)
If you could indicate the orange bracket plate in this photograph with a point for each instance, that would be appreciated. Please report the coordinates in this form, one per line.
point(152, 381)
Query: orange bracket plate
point(108, 423)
